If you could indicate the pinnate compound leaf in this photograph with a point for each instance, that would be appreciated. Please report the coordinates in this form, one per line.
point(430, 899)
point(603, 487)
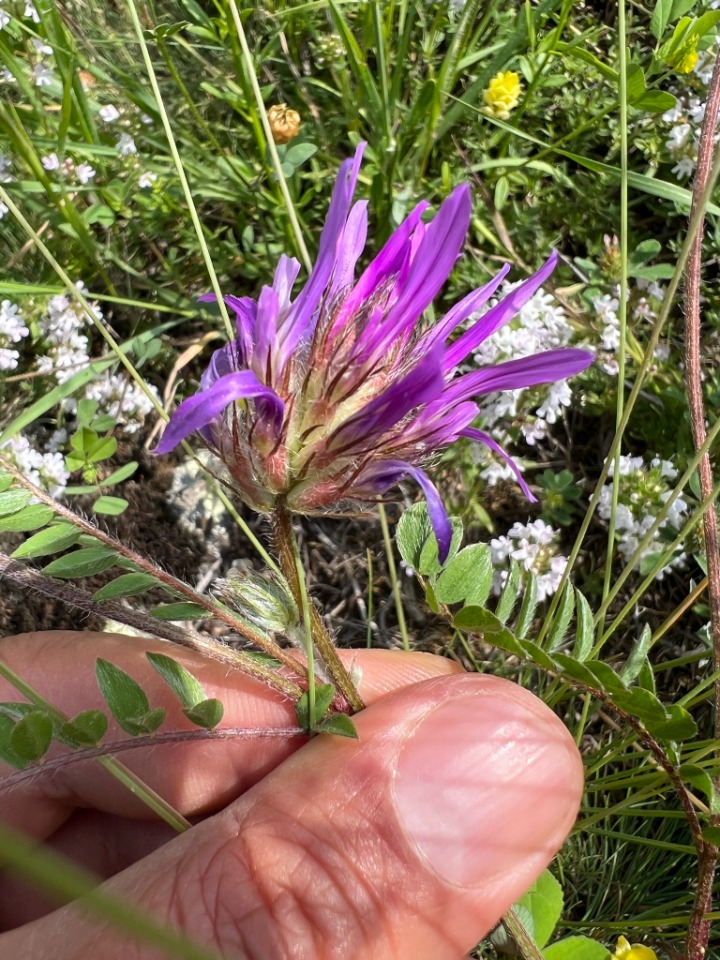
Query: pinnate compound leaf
point(85, 730)
point(206, 714)
point(544, 902)
point(112, 506)
point(585, 633)
point(53, 539)
point(576, 948)
point(179, 611)
point(182, 683)
point(13, 500)
point(468, 576)
point(6, 481)
point(605, 677)
point(562, 619)
point(31, 737)
point(533, 651)
point(81, 563)
point(126, 700)
point(339, 724)
point(29, 518)
point(127, 585)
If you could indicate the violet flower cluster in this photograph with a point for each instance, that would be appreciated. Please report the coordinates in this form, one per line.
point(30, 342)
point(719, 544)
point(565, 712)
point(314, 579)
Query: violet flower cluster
point(335, 396)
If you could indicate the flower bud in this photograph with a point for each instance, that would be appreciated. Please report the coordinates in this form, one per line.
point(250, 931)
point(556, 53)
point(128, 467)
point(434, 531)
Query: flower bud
point(261, 598)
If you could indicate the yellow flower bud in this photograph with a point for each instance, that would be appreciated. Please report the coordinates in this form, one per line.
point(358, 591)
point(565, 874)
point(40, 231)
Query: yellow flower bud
point(632, 951)
point(284, 123)
point(502, 94)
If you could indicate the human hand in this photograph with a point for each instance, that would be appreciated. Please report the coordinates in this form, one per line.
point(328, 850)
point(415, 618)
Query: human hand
point(409, 843)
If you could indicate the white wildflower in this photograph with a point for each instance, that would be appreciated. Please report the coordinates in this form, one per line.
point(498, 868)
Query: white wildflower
point(84, 172)
point(50, 162)
point(146, 180)
point(108, 113)
point(125, 145)
point(42, 75)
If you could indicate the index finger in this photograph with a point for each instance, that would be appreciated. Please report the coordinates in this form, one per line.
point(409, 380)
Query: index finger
point(196, 776)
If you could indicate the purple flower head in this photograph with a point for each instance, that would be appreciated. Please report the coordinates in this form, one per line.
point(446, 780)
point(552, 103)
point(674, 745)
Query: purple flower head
point(336, 396)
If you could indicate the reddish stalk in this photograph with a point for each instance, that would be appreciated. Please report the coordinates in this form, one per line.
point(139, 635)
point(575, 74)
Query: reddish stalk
point(699, 926)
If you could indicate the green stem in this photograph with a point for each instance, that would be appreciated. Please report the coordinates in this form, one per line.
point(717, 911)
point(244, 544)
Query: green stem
point(622, 309)
point(247, 57)
point(118, 770)
point(289, 558)
point(696, 219)
point(392, 569)
point(180, 170)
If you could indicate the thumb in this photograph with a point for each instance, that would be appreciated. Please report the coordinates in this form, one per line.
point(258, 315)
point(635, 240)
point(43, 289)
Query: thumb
point(409, 843)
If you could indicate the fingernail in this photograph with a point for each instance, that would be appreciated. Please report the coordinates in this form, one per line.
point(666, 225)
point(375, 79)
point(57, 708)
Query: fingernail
point(486, 781)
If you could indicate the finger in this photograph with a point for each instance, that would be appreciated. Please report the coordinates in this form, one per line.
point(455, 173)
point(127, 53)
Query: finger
point(409, 843)
point(194, 777)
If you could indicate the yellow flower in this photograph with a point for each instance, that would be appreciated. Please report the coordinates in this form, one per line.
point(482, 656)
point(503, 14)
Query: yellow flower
point(284, 123)
point(502, 94)
point(686, 62)
point(634, 951)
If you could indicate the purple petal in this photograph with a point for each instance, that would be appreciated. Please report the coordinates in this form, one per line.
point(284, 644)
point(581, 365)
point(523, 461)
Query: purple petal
point(473, 434)
point(350, 247)
point(285, 276)
point(433, 260)
point(303, 310)
point(245, 309)
point(545, 367)
point(385, 264)
point(198, 411)
point(461, 311)
point(436, 426)
point(366, 427)
point(508, 307)
point(223, 361)
point(265, 334)
point(389, 472)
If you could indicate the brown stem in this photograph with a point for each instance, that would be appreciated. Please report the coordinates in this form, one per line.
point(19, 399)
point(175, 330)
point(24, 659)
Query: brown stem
point(153, 740)
point(80, 599)
point(285, 542)
point(240, 626)
point(699, 927)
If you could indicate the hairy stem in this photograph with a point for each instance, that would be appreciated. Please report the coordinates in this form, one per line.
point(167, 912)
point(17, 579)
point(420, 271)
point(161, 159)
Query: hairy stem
point(82, 600)
point(699, 927)
point(240, 626)
point(153, 740)
point(287, 552)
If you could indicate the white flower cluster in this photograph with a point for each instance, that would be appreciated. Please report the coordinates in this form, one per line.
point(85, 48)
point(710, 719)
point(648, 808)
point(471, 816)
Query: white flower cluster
point(123, 398)
point(45, 469)
point(66, 352)
point(643, 491)
point(540, 325)
point(686, 118)
point(12, 330)
point(83, 171)
point(644, 300)
point(66, 348)
point(534, 546)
